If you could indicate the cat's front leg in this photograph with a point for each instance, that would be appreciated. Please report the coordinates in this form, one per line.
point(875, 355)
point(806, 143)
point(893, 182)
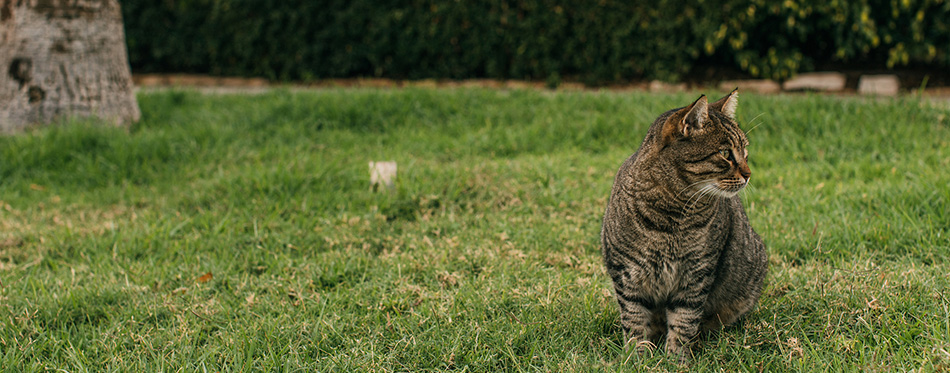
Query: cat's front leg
point(684, 313)
point(636, 321)
point(638, 317)
point(682, 328)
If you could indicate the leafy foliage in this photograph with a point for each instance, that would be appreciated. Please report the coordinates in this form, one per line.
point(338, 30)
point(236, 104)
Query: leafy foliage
point(595, 42)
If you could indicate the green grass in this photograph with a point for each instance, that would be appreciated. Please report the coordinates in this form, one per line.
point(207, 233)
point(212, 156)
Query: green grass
point(485, 256)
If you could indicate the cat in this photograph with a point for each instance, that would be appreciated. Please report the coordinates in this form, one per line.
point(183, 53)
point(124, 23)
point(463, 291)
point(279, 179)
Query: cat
point(676, 240)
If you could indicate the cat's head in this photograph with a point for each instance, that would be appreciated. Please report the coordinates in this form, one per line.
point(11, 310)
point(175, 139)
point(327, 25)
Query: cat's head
point(707, 147)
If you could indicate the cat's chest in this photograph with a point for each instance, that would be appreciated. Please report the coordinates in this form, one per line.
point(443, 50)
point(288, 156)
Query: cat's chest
point(689, 234)
point(675, 247)
point(672, 262)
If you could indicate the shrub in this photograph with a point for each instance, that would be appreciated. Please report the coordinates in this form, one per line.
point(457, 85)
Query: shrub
point(596, 42)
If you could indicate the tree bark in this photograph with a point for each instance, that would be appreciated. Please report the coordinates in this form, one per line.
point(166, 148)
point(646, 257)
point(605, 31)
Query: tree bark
point(63, 58)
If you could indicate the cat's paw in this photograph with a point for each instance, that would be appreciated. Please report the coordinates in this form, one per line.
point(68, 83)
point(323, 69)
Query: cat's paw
point(680, 353)
point(635, 349)
point(640, 345)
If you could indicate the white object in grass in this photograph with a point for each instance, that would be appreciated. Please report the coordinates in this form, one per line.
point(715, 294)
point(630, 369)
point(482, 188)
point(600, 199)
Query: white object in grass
point(382, 173)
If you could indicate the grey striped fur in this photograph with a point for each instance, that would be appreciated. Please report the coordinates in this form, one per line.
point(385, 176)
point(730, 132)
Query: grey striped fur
point(676, 240)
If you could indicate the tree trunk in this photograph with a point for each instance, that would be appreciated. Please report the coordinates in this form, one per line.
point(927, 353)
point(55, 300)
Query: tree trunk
point(63, 58)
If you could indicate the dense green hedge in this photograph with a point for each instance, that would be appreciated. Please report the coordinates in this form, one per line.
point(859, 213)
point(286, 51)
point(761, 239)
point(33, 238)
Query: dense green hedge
point(595, 41)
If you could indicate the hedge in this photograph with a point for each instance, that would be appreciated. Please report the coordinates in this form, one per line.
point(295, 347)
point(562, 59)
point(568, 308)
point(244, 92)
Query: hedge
point(594, 41)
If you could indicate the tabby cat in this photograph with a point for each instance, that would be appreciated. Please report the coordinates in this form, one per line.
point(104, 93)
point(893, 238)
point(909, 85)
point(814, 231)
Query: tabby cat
point(675, 238)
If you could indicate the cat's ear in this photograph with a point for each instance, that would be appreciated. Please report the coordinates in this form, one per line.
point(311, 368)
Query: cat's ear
point(687, 121)
point(727, 105)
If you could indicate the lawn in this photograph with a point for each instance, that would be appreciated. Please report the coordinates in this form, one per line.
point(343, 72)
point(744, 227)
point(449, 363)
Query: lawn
point(240, 232)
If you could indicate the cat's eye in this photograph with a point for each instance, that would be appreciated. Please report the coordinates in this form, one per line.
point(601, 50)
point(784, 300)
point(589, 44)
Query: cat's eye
point(725, 153)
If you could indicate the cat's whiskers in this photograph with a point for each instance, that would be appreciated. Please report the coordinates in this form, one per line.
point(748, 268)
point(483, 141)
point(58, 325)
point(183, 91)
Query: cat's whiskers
point(705, 191)
point(754, 127)
point(698, 192)
point(748, 189)
point(713, 192)
point(694, 184)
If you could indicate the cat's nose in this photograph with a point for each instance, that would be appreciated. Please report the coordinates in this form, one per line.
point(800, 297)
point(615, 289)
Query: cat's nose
point(745, 171)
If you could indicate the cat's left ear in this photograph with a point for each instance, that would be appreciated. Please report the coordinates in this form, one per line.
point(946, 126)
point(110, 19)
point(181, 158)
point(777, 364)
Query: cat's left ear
point(686, 121)
point(727, 105)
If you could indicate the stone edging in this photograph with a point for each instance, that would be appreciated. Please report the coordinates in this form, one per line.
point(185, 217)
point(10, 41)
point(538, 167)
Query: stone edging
point(825, 82)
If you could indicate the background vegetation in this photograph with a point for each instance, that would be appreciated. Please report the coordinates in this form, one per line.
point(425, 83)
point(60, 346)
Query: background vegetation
point(239, 233)
point(606, 41)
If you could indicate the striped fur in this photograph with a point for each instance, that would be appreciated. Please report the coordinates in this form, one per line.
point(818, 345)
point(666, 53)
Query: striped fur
point(675, 238)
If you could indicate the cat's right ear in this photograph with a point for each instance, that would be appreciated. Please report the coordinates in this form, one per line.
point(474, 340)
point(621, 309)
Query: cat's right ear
point(686, 121)
point(727, 104)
